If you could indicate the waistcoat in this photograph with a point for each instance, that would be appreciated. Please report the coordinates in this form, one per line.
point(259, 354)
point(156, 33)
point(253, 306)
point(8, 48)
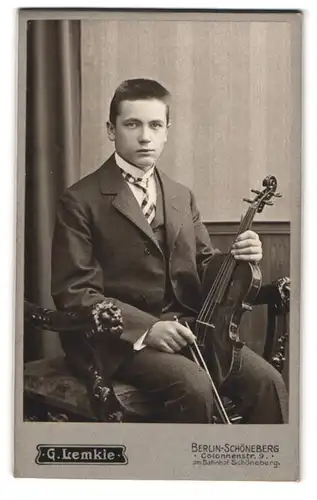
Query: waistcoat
point(159, 228)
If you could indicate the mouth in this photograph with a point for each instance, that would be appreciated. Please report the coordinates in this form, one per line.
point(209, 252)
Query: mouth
point(145, 151)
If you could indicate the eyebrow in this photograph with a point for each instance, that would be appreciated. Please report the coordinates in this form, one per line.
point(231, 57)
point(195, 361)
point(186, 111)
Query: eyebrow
point(155, 120)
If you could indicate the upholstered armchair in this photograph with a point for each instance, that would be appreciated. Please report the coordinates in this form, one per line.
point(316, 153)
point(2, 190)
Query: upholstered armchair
point(53, 392)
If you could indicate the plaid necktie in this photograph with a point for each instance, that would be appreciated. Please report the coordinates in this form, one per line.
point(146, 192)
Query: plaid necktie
point(147, 206)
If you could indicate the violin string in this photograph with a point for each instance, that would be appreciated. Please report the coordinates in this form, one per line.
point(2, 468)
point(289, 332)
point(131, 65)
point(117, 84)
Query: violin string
point(225, 264)
point(225, 271)
point(245, 223)
point(229, 262)
point(221, 282)
point(206, 310)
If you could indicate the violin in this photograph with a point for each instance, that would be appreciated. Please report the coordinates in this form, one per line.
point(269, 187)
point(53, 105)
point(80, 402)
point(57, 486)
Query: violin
point(229, 289)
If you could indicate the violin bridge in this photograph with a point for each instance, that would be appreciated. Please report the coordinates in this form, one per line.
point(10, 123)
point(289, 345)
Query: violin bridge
point(206, 324)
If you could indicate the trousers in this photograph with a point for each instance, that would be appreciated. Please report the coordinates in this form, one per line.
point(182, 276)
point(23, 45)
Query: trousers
point(182, 390)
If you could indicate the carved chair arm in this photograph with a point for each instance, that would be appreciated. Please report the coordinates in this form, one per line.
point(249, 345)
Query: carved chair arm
point(103, 317)
point(275, 294)
point(88, 322)
point(277, 298)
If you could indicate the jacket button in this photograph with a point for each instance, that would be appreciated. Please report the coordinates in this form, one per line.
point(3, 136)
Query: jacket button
point(147, 251)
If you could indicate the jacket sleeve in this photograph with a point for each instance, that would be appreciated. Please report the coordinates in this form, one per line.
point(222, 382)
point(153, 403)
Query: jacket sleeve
point(204, 248)
point(77, 278)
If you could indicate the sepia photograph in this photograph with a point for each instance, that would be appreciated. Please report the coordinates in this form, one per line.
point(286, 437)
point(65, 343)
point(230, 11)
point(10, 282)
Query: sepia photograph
point(158, 267)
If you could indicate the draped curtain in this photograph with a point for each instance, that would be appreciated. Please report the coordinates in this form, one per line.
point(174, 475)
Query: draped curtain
point(53, 118)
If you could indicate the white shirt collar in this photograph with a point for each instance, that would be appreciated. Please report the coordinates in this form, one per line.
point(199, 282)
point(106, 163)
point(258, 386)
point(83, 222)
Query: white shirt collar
point(131, 169)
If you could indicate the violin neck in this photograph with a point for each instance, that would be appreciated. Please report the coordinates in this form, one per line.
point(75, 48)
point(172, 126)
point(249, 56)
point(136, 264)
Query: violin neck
point(247, 220)
point(245, 224)
point(225, 272)
point(229, 261)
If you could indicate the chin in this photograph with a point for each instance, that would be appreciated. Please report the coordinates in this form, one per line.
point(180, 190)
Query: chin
point(144, 164)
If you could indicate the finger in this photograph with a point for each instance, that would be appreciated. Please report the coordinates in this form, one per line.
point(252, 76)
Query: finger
point(185, 332)
point(247, 243)
point(249, 257)
point(178, 339)
point(166, 348)
point(247, 251)
point(248, 234)
point(173, 345)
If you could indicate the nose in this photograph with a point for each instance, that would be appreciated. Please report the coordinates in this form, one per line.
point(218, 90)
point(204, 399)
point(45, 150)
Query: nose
point(144, 136)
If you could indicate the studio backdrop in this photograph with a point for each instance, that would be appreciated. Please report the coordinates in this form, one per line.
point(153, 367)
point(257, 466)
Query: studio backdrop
point(231, 89)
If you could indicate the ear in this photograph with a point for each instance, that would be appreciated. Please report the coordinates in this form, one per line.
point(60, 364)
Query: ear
point(167, 127)
point(111, 131)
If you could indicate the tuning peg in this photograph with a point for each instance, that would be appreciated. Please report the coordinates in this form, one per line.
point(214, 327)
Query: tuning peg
point(247, 200)
point(278, 195)
point(268, 202)
point(256, 191)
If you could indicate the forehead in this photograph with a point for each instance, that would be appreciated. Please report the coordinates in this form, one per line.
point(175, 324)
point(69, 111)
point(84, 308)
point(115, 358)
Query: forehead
point(143, 109)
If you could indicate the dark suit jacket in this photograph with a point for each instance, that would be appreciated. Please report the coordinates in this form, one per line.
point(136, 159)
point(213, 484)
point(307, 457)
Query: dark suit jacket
point(104, 247)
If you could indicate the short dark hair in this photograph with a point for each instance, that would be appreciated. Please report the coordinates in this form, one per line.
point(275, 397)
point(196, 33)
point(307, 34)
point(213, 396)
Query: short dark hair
point(135, 89)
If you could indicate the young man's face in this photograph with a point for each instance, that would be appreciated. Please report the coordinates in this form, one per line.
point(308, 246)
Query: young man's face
point(140, 131)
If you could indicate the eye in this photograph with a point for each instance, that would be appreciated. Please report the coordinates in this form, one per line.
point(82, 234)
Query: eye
point(131, 125)
point(156, 125)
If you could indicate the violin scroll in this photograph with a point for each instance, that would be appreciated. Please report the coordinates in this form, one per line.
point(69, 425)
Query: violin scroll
point(263, 197)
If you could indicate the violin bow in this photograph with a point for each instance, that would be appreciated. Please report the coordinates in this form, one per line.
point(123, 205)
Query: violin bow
point(199, 360)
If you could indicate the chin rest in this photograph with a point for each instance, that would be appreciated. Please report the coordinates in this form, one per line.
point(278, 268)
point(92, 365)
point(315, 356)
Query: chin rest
point(52, 391)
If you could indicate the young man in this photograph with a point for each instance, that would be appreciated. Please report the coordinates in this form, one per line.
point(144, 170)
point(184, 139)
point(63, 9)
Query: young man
point(129, 232)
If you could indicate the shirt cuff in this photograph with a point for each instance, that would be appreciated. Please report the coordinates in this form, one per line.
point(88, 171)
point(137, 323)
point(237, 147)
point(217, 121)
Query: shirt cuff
point(138, 345)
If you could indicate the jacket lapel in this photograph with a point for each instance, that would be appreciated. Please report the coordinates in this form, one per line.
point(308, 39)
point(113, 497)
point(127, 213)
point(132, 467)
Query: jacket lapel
point(112, 183)
point(172, 206)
